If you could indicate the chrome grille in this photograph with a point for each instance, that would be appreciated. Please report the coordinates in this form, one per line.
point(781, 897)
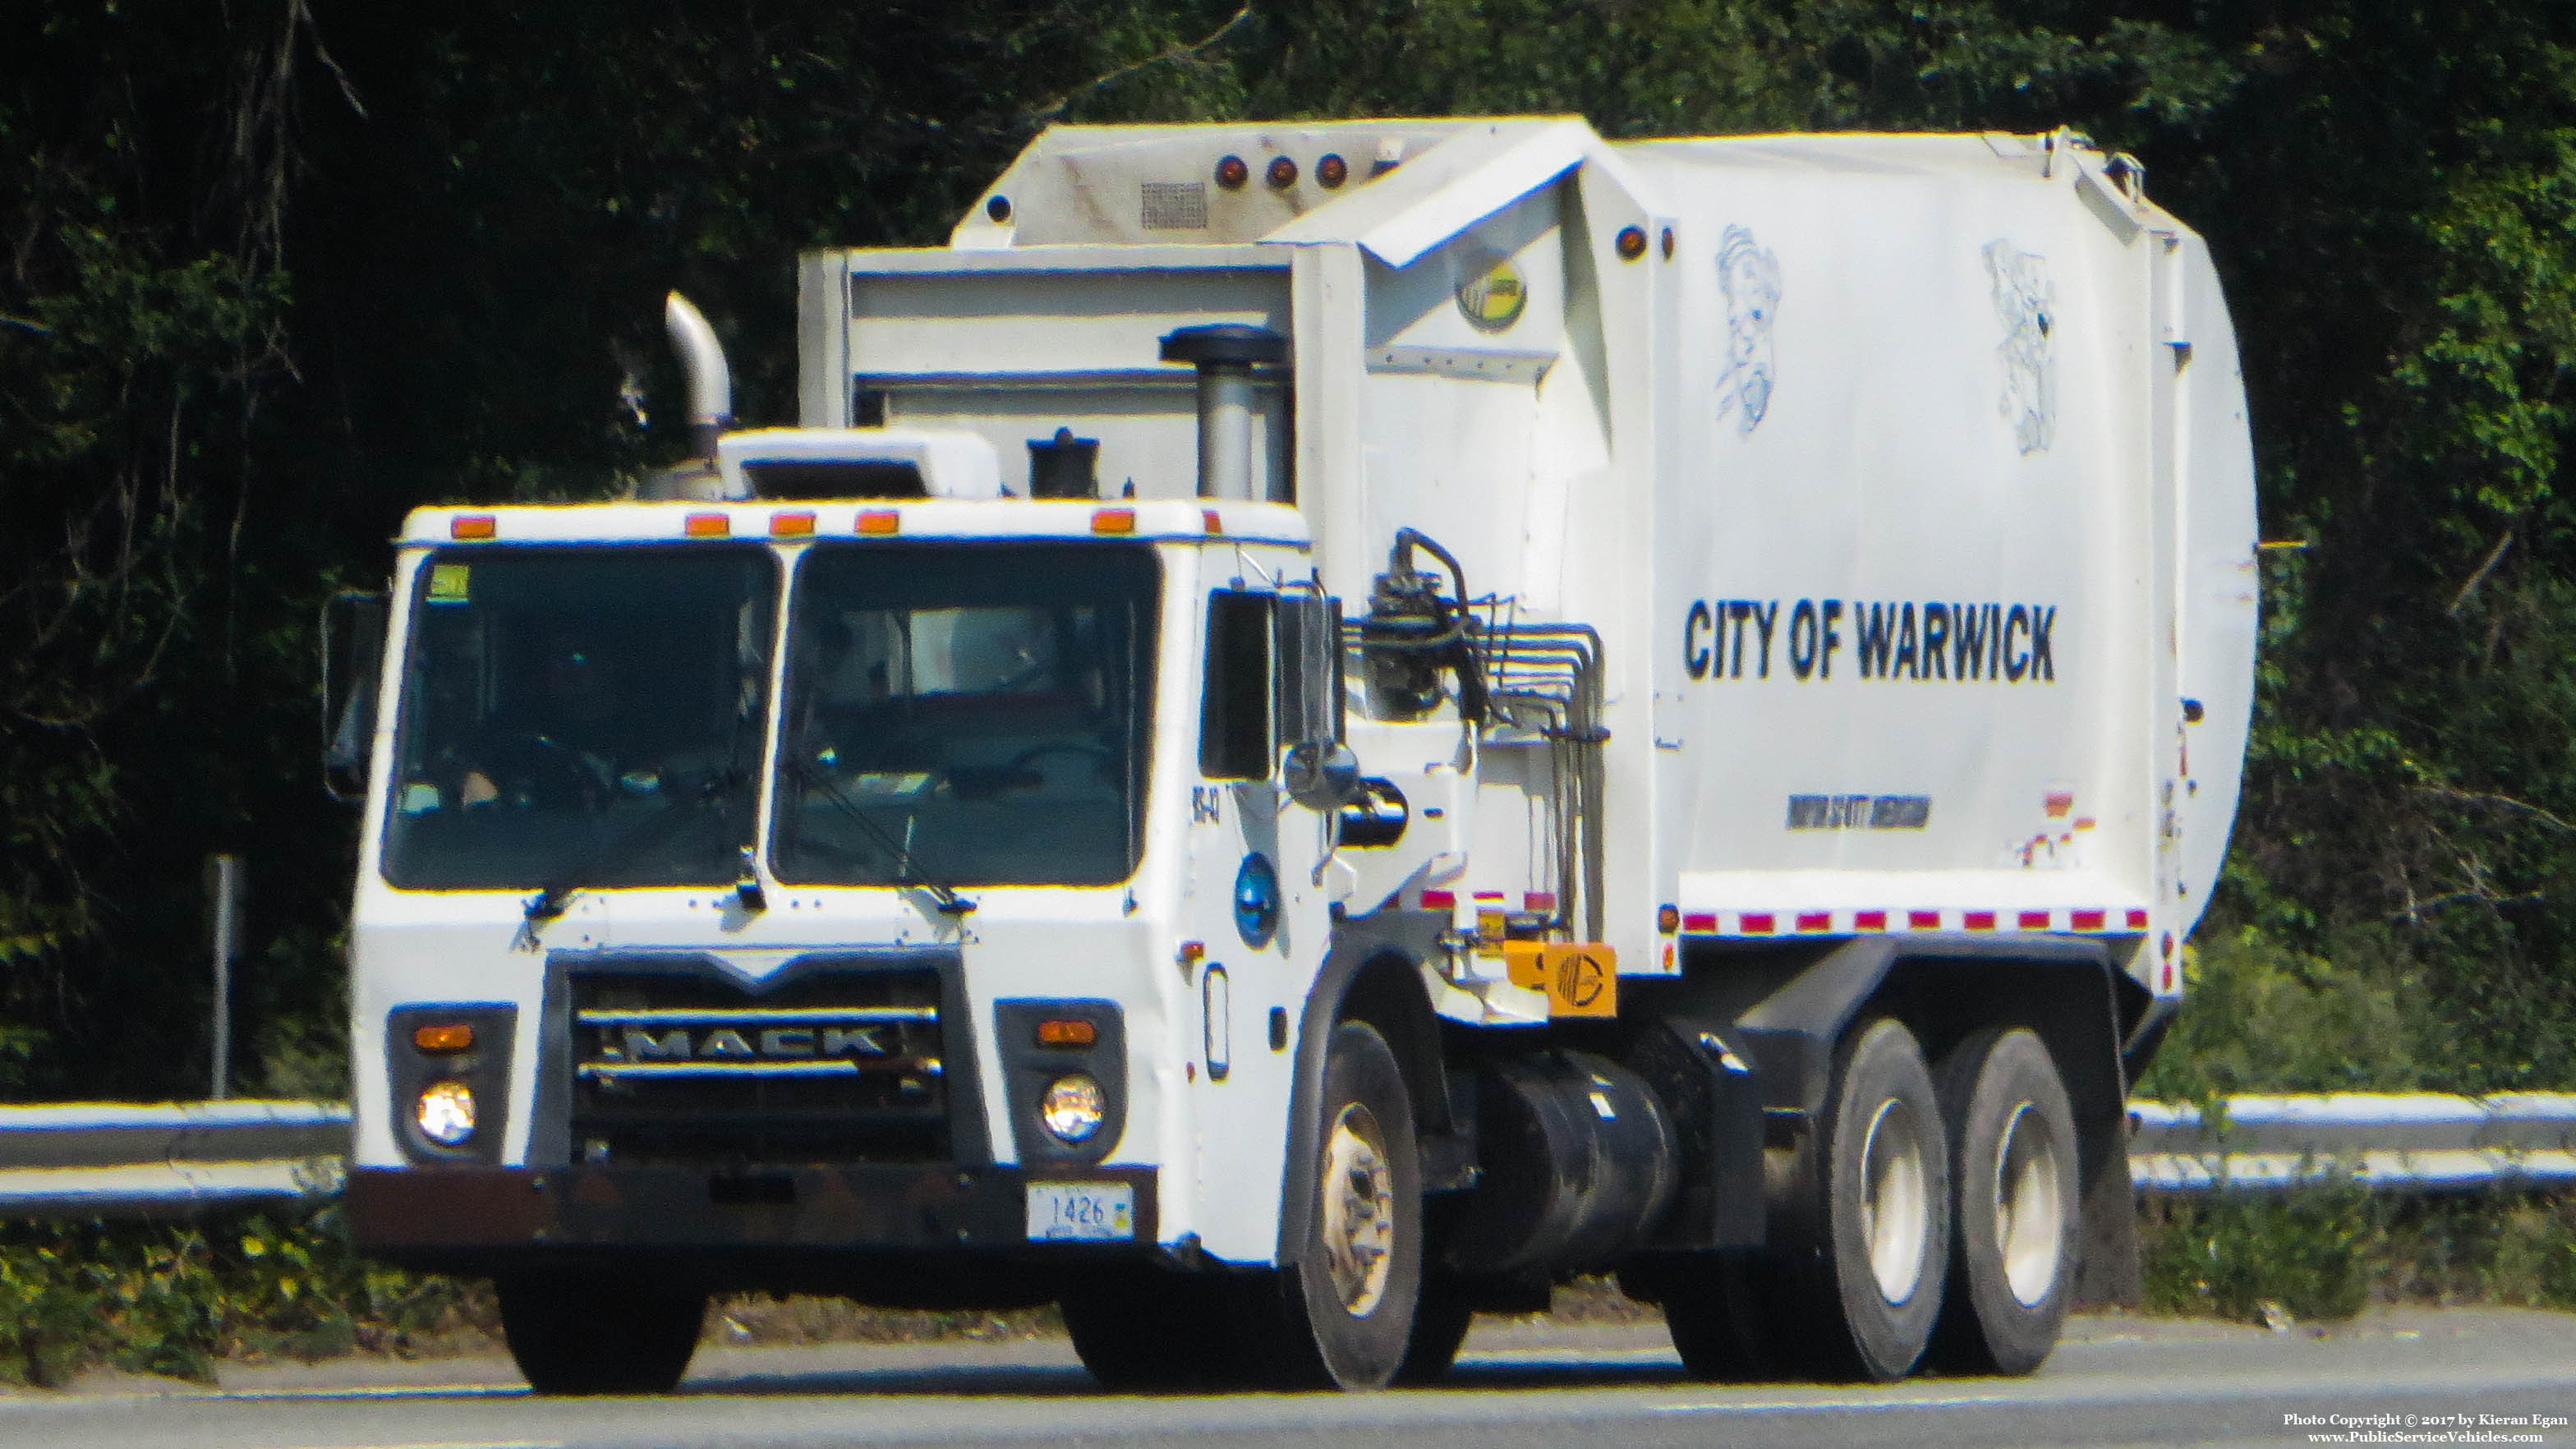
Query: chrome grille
point(831, 1067)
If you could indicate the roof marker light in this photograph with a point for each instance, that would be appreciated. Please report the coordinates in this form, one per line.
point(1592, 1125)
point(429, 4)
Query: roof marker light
point(791, 525)
point(1211, 520)
point(473, 525)
point(1231, 173)
point(1332, 171)
point(1113, 520)
point(708, 525)
point(880, 521)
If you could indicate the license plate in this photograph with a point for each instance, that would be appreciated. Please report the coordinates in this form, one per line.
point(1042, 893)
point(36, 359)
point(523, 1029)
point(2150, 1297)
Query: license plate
point(1095, 1212)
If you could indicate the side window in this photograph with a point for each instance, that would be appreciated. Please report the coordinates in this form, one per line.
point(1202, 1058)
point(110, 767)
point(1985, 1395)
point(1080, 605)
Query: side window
point(1236, 741)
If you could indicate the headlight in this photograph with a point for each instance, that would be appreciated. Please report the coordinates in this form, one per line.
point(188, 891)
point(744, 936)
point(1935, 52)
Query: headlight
point(1072, 1107)
point(445, 1113)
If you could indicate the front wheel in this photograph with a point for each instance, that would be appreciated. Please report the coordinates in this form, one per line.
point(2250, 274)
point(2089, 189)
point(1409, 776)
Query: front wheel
point(1351, 1291)
point(590, 1336)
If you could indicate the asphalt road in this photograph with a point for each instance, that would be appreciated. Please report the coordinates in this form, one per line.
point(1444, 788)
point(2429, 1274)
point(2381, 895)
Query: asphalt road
point(2116, 1381)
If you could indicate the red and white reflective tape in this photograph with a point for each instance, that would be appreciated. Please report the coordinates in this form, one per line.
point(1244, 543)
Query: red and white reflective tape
point(2066, 920)
point(1436, 899)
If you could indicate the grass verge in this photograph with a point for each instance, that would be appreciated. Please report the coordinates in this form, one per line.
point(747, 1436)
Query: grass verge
point(2326, 1252)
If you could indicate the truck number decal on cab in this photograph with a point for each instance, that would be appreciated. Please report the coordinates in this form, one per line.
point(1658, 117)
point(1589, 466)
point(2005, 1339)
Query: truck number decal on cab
point(1997, 643)
point(1204, 804)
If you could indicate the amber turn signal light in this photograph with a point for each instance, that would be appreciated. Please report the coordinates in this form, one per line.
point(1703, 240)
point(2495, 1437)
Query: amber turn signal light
point(1070, 1032)
point(442, 1037)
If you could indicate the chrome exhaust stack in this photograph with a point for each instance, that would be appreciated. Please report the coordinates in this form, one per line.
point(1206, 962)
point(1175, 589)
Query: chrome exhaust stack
point(702, 360)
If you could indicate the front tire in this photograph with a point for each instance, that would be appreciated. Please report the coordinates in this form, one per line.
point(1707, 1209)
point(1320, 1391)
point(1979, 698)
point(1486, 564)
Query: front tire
point(589, 1336)
point(2014, 1267)
point(1441, 1318)
point(1350, 1294)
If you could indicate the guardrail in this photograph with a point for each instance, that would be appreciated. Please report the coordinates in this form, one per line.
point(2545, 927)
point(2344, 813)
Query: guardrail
point(179, 1159)
point(170, 1159)
point(2410, 1142)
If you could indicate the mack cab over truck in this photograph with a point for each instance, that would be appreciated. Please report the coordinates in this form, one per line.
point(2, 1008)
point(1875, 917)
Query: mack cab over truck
point(1321, 727)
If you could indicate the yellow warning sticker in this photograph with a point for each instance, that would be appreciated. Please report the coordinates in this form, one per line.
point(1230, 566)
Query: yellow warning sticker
point(448, 583)
point(1581, 978)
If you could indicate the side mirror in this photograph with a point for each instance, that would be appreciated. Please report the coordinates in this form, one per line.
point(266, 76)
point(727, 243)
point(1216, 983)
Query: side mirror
point(353, 654)
point(1310, 700)
point(1321, 774)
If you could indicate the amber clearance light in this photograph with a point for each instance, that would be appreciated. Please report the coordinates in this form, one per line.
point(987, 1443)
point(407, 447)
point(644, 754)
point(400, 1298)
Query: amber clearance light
point(708, 525)
point(472, 525)
point(1113, 520)
point(1067, 1032)
point(444, 1037)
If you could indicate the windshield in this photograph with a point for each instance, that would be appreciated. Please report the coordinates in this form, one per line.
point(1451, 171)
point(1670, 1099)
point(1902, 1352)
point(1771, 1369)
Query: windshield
point(581, 717)
point(979, 708)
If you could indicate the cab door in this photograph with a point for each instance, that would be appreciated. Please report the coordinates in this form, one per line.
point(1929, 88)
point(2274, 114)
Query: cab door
point(1268, 710)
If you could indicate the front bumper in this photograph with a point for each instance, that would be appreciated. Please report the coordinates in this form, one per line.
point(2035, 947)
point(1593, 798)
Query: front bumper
point(465, 1214)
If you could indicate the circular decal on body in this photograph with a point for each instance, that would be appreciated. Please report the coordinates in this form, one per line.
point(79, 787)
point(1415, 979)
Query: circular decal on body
point(1580, 980)
point(1256, 901)
point(1495, 296)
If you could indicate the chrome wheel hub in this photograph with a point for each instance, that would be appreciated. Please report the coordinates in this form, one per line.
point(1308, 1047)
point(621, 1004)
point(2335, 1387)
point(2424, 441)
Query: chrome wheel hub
point(1895, 1209)
point(2030, 1215)
point(1358, 1210)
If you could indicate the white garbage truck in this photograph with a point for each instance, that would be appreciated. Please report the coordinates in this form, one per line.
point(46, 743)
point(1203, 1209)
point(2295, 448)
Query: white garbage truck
point(1321, 727)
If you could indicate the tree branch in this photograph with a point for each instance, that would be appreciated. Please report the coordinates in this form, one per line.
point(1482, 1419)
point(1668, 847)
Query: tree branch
point(1171, 53)
point(2481, 797)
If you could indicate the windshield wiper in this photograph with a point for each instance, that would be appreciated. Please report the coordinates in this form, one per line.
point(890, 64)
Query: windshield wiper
point(907, 873)
point(556, 894)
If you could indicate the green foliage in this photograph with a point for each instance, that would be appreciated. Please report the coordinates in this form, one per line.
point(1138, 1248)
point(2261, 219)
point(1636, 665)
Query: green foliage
point(2306, 1253)
point(275, 272)
point(173, 1300)
point(2262, 1017)
point(2324, 1253)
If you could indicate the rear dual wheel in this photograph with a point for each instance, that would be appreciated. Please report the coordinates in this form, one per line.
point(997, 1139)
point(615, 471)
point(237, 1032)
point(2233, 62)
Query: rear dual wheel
point(2013, 1269)
point(1861, 1301)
